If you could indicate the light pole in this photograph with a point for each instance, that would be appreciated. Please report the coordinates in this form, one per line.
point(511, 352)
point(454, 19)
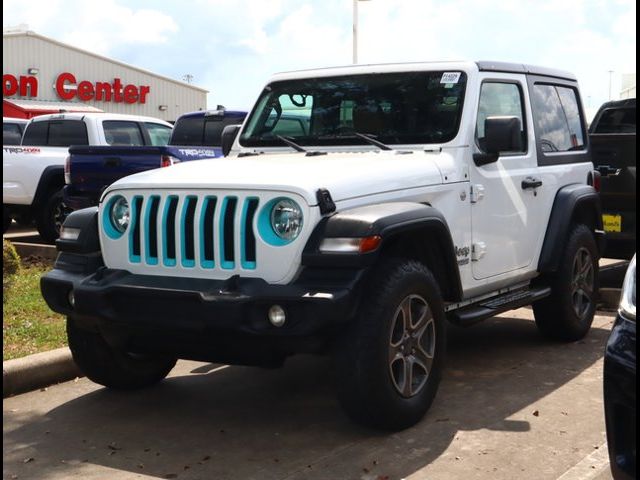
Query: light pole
point(355, 30)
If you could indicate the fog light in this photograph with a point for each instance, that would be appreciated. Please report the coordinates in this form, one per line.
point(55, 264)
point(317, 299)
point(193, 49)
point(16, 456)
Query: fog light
point(277, 317)
point(72, 299)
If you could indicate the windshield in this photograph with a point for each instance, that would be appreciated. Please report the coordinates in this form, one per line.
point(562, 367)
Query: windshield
point(396, 108)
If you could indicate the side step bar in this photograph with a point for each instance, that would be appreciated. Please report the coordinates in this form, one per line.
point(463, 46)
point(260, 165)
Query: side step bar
point(488, 308)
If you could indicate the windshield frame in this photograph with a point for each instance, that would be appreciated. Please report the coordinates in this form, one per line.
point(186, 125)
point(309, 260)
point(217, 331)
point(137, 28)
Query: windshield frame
point(349, 139)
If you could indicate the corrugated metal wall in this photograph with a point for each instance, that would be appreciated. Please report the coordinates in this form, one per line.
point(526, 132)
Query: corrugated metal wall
point(20, 52)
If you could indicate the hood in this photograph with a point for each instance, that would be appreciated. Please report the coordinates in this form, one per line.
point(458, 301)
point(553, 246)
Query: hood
point(345, 175)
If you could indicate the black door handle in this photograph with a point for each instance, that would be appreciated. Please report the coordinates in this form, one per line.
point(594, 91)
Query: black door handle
point(531, 182)
point(608, 171)
point(112, 162)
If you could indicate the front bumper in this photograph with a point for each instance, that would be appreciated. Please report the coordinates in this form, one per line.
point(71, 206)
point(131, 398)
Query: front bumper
point(620, 398)
point(195, 318)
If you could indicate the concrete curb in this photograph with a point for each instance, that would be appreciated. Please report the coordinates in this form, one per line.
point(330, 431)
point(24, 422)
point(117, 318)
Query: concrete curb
point(36, 371)
point(47, 252)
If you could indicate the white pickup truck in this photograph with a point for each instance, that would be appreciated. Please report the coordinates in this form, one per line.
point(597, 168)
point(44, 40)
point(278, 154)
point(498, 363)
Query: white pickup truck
point(33, 172)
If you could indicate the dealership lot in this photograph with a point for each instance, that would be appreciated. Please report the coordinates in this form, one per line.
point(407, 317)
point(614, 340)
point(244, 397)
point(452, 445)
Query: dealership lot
point(511, 405)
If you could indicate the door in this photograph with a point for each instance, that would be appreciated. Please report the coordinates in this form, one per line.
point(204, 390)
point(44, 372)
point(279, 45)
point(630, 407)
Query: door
point(504, 195)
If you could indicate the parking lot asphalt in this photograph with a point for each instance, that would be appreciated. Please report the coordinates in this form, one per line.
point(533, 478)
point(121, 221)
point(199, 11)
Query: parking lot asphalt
point(512, 405)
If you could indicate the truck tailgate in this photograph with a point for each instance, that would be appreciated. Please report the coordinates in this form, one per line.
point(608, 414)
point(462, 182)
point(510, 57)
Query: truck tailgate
point(93, 168)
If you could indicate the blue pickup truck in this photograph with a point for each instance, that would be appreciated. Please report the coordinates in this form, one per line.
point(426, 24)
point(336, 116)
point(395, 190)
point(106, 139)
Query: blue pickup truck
point(90, 169)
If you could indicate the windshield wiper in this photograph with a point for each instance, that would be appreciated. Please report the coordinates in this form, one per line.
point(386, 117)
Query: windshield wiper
point(298, 148)
point(291, 143)
point(372, 141)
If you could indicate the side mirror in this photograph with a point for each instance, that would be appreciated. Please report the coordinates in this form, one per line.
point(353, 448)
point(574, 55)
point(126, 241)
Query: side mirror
point(501, 134)
point(228, 137)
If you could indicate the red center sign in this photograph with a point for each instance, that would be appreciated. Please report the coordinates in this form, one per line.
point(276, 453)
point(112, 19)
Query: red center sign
point(67, 87)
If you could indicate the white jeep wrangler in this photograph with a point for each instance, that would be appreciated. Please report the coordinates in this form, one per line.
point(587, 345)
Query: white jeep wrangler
point(359, 209)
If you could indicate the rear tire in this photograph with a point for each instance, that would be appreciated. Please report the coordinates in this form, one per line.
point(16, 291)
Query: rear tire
point(51, 216)
point(567, 314)
point(390, 361)
point(111, 367)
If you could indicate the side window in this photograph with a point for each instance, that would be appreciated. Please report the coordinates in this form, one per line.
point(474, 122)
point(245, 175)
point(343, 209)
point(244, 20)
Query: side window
point(500, 100)
point(11, 134)
point(557, 117)
point(67, 132)
point(188, 131)
point(158, 133)
point(117, 132)
point(36, 134)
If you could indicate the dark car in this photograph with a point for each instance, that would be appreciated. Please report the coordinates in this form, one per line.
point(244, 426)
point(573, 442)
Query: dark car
point(612, 135)
point(620, 383)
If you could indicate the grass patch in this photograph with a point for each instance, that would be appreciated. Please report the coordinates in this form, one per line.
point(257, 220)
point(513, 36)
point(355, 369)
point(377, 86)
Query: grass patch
point(29, 326)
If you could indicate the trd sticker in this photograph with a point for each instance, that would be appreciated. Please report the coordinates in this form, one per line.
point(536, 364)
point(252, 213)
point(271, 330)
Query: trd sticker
point(450, 77)
point(193, 152)
point(21, 149)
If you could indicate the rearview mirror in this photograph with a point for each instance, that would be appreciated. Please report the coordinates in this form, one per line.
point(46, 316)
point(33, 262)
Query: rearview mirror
point(228, 137)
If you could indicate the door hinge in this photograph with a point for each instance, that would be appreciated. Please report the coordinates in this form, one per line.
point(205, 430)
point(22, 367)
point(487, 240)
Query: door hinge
point(478, 250)
point(477, 193)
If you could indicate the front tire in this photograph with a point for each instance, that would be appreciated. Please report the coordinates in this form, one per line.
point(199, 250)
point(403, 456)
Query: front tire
point(567, 314)
point(111, 367)
point(51, 216)
point(389, 363)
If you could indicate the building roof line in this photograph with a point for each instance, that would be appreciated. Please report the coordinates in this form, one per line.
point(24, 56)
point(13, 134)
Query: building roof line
point(30, 33)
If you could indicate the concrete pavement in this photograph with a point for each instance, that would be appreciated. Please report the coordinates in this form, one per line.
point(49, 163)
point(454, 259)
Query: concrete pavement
point(511, 405)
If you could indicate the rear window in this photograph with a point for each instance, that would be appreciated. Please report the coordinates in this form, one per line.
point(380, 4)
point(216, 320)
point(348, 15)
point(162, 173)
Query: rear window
point(56, 133)
point(159, 134)
point(201, 131)
point(557, 118)
point(11, 134)
point(617, 120)
point(122, 133)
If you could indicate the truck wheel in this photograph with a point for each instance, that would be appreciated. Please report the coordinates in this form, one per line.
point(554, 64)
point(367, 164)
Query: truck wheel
point(111, 367)
point(6, 219)
point(568, 312)
point(51, 216)
point(390, 361)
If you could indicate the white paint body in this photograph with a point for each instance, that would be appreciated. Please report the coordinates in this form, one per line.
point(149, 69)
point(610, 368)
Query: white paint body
point(509, 221)
point(22, 166)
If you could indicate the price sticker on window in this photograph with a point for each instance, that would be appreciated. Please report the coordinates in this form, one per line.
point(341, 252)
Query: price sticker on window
point(450, 77)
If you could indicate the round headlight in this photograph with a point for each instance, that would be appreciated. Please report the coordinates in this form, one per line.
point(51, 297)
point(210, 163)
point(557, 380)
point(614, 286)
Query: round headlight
point(119, 214)
point(286, 219)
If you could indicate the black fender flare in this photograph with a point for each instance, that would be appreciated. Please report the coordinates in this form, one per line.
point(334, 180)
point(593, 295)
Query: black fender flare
point(572, 202)
point(88, 241)
point(53, 175)
point(390, 221)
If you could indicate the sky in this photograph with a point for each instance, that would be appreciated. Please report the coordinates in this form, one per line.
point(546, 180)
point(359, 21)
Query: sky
point(231, 47)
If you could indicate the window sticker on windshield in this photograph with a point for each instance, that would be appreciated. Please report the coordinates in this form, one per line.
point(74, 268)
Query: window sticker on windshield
point(450, 77)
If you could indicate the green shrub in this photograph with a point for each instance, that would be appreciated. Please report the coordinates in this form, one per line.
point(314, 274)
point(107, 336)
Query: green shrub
point(10, 265)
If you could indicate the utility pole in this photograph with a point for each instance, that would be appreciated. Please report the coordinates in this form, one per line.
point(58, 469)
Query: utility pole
point(610, 75)
point(187, 78)
point(355, 30)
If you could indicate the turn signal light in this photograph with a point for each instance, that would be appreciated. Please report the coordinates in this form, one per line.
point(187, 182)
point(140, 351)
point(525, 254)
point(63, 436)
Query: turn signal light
point(369, 244)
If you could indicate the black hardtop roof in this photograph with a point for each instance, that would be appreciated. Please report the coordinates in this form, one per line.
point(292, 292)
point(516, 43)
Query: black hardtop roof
point(624, 103)
point(488, 66)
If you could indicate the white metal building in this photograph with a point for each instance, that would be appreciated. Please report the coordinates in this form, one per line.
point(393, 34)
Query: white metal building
point(42, 75)
point(628, 89)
